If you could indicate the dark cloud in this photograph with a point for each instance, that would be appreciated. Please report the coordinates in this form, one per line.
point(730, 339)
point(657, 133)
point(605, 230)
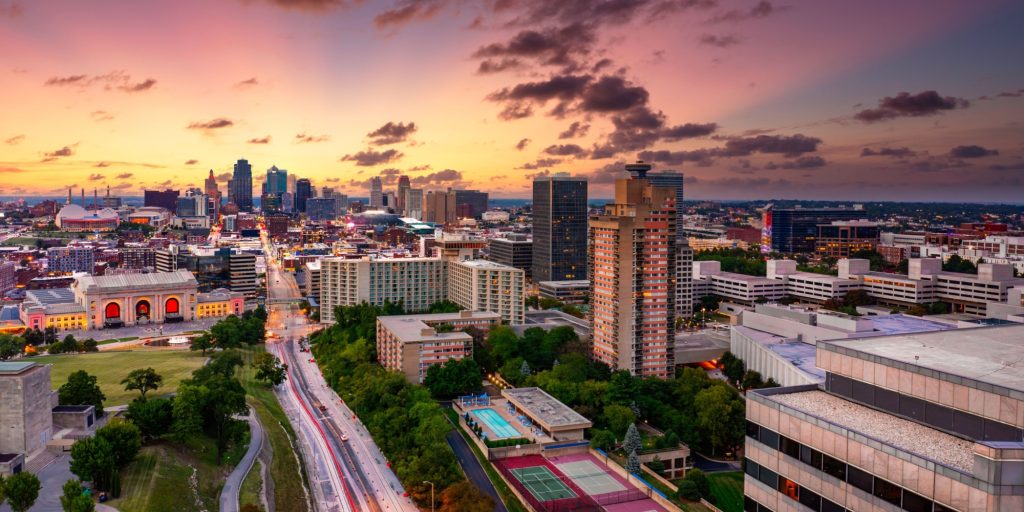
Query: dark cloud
point(95, 177)
point(612, 94)
point(541, 163)
point(245, 84)
point(804, 162)
point(260, 140)
point(786, 145)
point(446, 176)
point(370, 157)
point(640, 127)
point(700, 157)
point(115, 80)
point(565, 150)
point(608, 173)
point(191, 161)
point(904, 104)
point(576, 129)
point(102, 164)
point(124, 175)
point(53, 155)
point(722, 41)
point(212, 124)
point(688, 131)
point(223, 177)
point(392, 133)
point(101, 115)
point(903, 152)
point(14, 141)
point(491, 66)
point(1011, 94)
point(304, 138)
point(762, 9)
point(519, 99)
point(61, 81)
point(407, 11)
point(310, 5)
point(971, 151)
point(565, 47)
point(521, 145)
point(144, 85)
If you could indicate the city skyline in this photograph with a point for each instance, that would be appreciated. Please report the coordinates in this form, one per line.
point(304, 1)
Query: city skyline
point(751, 100)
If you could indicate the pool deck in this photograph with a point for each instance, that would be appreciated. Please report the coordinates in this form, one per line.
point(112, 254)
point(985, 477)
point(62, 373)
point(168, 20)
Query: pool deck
point(500, 406)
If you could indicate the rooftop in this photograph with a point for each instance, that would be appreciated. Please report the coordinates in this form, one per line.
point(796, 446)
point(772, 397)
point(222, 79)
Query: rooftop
point(410, 327)
point(545, 408)
point(50, 296)
point(486, 265)
point(15, 367)
point(116, 282)
point(991, 355)
point(906, 435)
point(580, 283)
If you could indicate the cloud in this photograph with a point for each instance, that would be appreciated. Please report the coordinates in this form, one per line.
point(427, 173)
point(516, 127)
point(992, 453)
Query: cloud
point(115, 80)
point(11, 170)
point(223, 177)
point(904, 104)
point(641, 127)
point(903, 152)
point(762, 9)
point(520, 99)
point(53, 155)
point(102, 164)
point(804, 162)
point(124, 175)
point(191, 161)
point(491, 66)
point(447, 176)
point(576, 129)
point(101, 115)
point(14, 141)
point(245, 84)
point(700, 157)
point(786, 145)
point(608, 173)
point(303, 138)
point(391, 133)
point(407, 11)
point(418, 168)
point(370, 157)
point(554, 46)
point(212, 124)
point(688, 131)
point(565, 150)
point(612, 94)
point(11, 10)
point(971, 151)
point(541, 163)
point(521, 145)
point(95, 177)
point(723, 41)
point(309, 5)
point(260, 140)
point(123, 186)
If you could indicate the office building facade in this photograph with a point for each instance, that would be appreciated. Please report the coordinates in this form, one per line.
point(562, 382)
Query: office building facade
point(376, 193)
point(559, 228)
point(795, 230)
point(240, 187)
point(515, 250)
point(71, 259)
point(303, 191)
point(166, 199)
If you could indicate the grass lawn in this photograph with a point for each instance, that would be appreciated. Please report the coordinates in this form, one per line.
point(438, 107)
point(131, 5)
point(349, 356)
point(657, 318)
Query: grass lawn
point(727, 488)
point(285, 469)
point(111, 367)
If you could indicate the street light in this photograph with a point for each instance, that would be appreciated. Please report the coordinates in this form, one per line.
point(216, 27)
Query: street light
point(431, 494)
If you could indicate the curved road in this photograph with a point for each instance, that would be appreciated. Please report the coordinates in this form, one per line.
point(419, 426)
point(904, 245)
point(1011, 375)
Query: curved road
point(233, 484)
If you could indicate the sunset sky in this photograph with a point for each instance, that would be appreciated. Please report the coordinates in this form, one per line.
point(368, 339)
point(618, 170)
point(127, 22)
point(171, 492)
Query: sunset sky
point(860, 100)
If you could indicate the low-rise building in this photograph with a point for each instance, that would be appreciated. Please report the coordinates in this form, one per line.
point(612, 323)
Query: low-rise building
point(412, 343)
point(26, 400)
point(567, 292)
point(843, 238)
point(219, 303)
point(708, 279)
point(554, 419)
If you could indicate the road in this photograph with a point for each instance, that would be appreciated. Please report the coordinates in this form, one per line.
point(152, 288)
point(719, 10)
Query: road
point(474, 471)
point(363, 479)
point(233, 484)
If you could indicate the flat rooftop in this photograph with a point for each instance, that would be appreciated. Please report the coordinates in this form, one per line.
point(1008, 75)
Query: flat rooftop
point(548, 319)
point(564, 284)
point(486, 264)
point(903, 434)
point(15, 367)
point(733, 276)
point(545, 408)
point(51, 296)
point(410, 327)
point(991, 355)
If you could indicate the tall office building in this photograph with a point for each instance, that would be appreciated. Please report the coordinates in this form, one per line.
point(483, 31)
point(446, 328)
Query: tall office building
point(213, 196)
point(632, 272)
point(559, 228)
point(166, 199)
point(303, 191)
point(468, 203)
point(796, 229)
point(684, 254)
point(403, 190)
point(376, 193)
point(240, 187)
point(276, 182)
point(414, 203)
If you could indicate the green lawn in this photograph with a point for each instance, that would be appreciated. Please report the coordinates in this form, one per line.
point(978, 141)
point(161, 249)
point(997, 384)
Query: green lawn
point(112, 367)
point(727, 488)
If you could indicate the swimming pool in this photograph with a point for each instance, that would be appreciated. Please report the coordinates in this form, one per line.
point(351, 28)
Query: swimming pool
point(501, 428)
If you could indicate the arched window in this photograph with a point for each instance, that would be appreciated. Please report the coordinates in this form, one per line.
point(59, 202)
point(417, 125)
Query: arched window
point(171, 307)
point(113, 310)
point(142, 309)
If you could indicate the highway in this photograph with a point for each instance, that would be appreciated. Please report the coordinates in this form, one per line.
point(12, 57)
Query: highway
point(359, 478)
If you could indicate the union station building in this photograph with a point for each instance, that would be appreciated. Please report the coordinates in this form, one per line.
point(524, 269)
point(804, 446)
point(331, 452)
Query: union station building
point(106, 302)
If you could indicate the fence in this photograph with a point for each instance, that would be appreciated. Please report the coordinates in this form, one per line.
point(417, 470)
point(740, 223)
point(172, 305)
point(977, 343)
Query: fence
point(581, 503)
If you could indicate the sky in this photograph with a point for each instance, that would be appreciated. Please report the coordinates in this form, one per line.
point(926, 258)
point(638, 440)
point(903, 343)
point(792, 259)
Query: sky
point(916, 100)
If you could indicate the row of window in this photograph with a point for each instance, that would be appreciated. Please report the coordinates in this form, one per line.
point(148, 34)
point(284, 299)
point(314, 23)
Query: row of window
point(789, 488)
point(836, 468)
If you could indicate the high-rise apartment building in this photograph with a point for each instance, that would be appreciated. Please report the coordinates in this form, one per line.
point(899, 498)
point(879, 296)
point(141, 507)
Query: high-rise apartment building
point(559, 228)
point(632, 269)
point(240, 187)
point(322, 208)
point(376, 193)
point(481, 285)
point(415, 282)
point(515, 250)
point(138, 258)
point(71, 259)
point(414, 203)
point(684, 254)
point(303, 191)
point(166, 199)
point(401, 196)
point(242, 271)
point(8, 277)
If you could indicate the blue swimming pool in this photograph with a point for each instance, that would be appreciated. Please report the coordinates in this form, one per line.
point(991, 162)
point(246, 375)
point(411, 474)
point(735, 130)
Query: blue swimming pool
point(501, 428)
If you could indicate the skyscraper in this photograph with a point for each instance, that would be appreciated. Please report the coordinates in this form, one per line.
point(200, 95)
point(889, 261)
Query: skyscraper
point(414, 203)
point(559, 228)
point(213, 195)
point(376, 193)
point(684, 254)
point(240, 188)
point(167, 199)
point(632, 272)
point(796, 229)
point(303, 191)
point(403, 188)
point(277, 181)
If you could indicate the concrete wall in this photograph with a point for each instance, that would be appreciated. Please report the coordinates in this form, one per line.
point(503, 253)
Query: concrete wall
point(25, 415)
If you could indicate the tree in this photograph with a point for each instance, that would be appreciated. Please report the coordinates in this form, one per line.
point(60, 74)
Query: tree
point(82, 389)
point(444, 306)
point(632, 442)
point(633, 463)
point(92, 460)
point(33, 337)
point(752, 380)
point(619, 418)
point(90, 345)
point(856, 298)
point(142, 380)
point(717, 409)
point(732, 366)
point(153, 417)
point(125, 440)
point(74, 498)
point(709, 302)
point(688, 490)
point(571, 309)
point(453, 378)
point(524, 369)
point(700, 480)
point(269, 368)
point(503, 343)
point(10, 346)
point(603, 439)
point(465, 497)
point(188, 411)
point(228, 332)
point(21, 490)
point(202, 342)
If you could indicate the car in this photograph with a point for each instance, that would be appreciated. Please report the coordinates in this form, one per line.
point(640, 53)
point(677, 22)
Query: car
point(312, 360)
point(344, 437)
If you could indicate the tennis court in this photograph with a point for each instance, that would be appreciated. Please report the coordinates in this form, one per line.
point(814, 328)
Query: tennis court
point(498, 425)
point(588, 476)
point(542, 483)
